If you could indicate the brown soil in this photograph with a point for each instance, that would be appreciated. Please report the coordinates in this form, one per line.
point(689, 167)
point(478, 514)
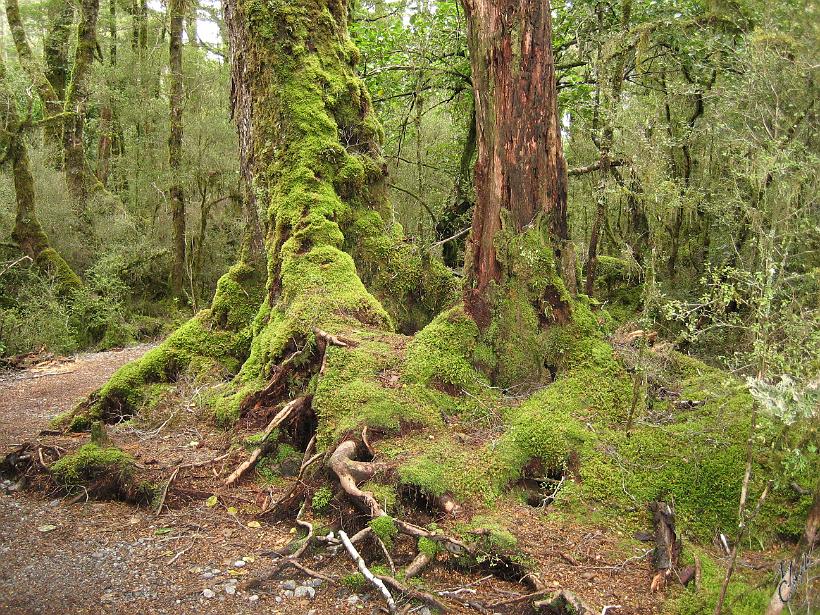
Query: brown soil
point(111, 557)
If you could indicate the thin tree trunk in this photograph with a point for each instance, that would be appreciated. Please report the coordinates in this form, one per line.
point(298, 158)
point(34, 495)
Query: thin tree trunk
point(76, 102)
point(31, 66)
point(28, 234)
point(454, 212)
point(611, 101)
point(191, 15)
point(112, 32)
point(104, 143)
point(175, 9)
point(56, 45)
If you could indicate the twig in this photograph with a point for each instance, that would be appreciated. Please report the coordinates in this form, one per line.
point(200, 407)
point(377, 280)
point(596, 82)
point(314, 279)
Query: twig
point(165, 491)
point(421, 596)
point(377, 582)
point(386, 553)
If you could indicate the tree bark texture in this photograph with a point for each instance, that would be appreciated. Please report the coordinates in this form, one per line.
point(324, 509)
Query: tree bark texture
point(56, 45)
point(177, 195)
point(76, 103)
point(520, 173)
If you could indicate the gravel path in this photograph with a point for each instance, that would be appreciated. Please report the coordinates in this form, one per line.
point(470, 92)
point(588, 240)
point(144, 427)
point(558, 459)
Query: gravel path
point(109, 557)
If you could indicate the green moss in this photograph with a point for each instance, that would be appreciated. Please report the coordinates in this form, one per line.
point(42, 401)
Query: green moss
point(92, 463)
point(321, 499)
point(50, 261)
point(351, 393)
point(385, 528)
point(441, 354)
point(744, 595)
point(217, 336)
point(385, 495)
point(428, 547)
point(489, 535)
point(355, 582)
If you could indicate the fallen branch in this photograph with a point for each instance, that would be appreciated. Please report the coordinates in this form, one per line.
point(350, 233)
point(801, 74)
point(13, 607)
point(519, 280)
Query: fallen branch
point(161, 503)
point(429, 599)
point(377, 582)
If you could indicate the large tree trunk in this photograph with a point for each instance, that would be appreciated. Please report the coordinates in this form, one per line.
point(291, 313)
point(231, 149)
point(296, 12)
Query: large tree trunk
point(519, 231)
point(175, 9)
point(332, 251)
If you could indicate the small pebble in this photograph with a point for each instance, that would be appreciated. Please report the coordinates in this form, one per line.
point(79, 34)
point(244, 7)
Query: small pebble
point(352, 599)
point(305, 592)
point(254, 598)
point(289, 584)
point(230, 590)
point(239, 563)
point(314, 582)
point(287, 593)
point(208, 593)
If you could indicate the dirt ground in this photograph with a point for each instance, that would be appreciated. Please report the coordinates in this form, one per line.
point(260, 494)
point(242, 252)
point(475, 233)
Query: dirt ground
point(58, 555)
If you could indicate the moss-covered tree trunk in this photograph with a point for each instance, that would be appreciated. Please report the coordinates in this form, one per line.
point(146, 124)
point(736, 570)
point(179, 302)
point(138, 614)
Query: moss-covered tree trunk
point(176, 11)
point(52, 102)
point(78, 180)
point(28, 234)
point(56, 45)
point(310, 151)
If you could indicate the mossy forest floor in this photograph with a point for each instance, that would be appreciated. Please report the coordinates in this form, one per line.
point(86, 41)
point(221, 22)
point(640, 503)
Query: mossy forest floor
point(63, 554)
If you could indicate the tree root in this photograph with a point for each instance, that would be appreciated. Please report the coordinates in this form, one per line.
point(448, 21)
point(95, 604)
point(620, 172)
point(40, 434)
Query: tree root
point(418, 564)
point(289, 412)
point(374, 580)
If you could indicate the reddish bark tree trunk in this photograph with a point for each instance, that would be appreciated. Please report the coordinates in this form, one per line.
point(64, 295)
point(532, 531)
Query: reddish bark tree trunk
point(520, 172)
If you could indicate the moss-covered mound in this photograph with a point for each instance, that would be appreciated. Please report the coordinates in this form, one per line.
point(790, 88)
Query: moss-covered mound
point(102, 472)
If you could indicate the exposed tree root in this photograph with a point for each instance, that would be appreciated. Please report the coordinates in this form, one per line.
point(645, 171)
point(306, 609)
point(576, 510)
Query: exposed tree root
point(377, 582)
point(289, 412)
point(418, 564)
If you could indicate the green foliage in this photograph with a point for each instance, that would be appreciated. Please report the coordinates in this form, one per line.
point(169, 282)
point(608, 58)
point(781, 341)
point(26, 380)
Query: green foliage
point(429, 547)
point(321, 499)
